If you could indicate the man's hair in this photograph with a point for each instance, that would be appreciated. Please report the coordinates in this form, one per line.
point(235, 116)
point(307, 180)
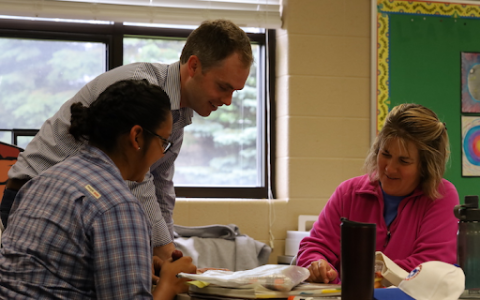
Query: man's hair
point(213, 41)
point(419, 125)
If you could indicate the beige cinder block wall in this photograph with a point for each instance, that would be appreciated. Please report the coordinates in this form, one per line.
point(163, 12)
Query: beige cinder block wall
point(323, 120)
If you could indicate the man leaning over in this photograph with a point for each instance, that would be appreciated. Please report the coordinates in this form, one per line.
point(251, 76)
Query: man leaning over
point(214, 63)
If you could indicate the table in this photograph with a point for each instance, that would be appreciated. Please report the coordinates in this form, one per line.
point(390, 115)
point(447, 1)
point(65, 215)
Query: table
point(187, 297)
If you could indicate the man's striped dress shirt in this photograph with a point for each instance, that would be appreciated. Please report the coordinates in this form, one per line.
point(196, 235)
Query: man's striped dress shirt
point(54, 144)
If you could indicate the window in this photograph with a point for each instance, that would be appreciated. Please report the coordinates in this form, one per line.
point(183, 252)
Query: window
point(44, 63)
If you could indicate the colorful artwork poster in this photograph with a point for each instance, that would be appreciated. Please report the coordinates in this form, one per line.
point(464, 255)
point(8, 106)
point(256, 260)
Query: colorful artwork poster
point(470, 146)
point(470, 82)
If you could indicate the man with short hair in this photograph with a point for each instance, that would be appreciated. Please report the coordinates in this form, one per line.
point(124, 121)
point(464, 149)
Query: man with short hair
point(214, 63)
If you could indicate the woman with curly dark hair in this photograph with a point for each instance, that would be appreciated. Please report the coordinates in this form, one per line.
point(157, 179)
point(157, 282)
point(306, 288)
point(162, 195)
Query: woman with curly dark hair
point(76, 231)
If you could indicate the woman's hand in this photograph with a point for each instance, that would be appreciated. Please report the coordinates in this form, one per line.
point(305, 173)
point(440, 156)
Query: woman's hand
point(157, 265)
point(321, 272)
point(169, 284)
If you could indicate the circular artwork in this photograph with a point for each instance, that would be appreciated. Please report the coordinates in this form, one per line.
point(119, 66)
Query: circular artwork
point(470, 146)
point(474, 82)
point(470, 82)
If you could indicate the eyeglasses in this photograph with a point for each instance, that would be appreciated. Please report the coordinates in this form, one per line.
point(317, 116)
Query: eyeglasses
point(166, 143)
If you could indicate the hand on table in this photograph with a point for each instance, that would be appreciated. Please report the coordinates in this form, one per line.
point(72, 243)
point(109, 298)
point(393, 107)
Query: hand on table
point(169, 285)
point(157, 265)
point(321, 272)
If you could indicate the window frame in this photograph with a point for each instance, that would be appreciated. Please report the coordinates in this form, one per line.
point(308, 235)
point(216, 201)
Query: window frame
point(112, 35)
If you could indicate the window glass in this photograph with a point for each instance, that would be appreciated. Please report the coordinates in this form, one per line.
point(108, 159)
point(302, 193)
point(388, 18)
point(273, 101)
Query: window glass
point(22, 141)
point(6, 137)
point(223, 149)
point(38, 76)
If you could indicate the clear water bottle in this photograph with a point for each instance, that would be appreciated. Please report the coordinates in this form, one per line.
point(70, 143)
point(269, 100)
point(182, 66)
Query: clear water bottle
point(468, 244)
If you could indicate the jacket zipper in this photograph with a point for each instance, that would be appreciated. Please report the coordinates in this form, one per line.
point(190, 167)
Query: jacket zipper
point(388, 238)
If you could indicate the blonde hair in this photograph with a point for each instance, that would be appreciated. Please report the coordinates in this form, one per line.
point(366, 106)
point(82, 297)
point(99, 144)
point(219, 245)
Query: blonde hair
point(419, 125)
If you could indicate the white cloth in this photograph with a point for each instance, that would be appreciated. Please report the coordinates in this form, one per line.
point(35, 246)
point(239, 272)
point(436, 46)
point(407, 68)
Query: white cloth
point(221, 246)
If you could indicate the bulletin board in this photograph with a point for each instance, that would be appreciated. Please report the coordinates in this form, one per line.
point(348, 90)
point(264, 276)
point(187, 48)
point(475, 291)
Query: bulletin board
point(417, 51)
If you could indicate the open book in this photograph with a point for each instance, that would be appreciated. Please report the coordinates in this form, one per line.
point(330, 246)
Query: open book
point(256, 291)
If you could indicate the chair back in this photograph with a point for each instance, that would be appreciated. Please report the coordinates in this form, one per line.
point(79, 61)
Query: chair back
point(8, 156)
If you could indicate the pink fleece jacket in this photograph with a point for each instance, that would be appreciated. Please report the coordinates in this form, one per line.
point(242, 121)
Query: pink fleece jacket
point(424, 230)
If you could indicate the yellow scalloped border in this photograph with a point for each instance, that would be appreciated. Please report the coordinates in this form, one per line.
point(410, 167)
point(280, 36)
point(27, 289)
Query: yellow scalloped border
point(386, 7)
point(455, 10)
point(383, 100)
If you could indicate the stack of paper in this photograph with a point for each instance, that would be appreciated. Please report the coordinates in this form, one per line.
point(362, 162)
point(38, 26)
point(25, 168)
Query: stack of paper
point(255, 291)
point(275, 277)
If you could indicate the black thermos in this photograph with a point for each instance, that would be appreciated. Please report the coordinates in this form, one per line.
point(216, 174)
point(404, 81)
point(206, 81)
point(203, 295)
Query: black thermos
point(357, 261)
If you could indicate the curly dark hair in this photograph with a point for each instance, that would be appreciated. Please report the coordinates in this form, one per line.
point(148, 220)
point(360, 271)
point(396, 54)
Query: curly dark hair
point(121, 106)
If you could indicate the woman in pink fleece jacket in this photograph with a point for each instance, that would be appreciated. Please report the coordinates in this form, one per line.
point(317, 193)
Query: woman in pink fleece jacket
point(403, 193)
